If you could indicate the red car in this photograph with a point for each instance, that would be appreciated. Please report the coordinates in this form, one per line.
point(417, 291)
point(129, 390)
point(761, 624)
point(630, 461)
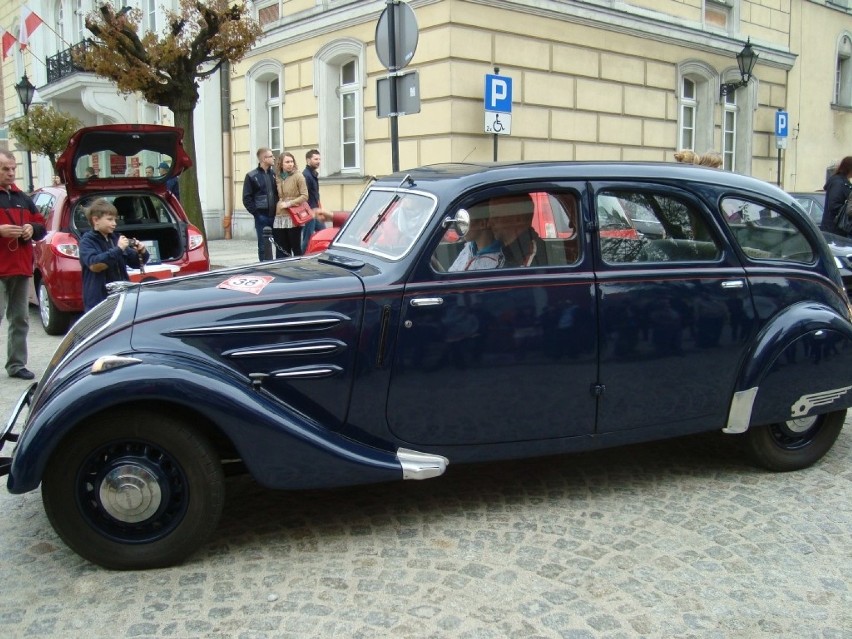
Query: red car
point(120, 163)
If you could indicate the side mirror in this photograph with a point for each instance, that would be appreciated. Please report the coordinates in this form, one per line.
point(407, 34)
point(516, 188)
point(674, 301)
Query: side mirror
point(461, 222)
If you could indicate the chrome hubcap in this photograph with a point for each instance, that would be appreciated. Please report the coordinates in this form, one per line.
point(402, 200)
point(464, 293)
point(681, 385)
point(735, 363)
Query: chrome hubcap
point(801, 425)
point(130, 493)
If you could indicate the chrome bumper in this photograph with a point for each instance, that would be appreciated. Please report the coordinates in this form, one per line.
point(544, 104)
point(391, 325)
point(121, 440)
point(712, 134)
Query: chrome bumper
point(7, 435)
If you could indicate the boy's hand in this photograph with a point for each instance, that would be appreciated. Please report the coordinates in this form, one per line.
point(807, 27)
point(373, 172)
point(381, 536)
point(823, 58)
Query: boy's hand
point(123, 242)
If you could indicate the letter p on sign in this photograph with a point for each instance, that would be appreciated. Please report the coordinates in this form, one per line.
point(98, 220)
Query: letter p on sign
point(498, 93)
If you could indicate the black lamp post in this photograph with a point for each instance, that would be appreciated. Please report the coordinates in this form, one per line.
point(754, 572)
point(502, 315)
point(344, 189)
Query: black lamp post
point(746, 59)
point(26, 90)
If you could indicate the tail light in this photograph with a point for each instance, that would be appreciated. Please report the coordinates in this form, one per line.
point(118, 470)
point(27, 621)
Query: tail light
point(195, 240)
point(65, 244)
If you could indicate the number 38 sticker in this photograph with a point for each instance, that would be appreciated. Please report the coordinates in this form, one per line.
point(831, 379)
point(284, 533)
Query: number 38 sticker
point(247, 283)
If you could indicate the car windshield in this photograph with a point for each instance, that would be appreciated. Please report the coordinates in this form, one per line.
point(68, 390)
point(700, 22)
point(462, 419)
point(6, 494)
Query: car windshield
point(387, 222)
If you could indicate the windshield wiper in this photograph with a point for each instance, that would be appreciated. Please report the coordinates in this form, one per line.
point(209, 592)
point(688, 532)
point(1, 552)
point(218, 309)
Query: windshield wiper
point(381, 217)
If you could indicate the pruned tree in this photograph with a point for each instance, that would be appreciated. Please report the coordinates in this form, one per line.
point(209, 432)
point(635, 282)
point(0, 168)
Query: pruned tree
point(166, 68)
point(44, 131)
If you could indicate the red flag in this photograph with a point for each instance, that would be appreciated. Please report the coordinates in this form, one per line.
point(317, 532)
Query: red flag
point(8, 42)
point(30, 21)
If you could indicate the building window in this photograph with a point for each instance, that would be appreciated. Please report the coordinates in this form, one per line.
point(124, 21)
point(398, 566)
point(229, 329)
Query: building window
point(151, 15)
point(273, 110)
point(843, 73)
point(688, 106)
point(339, 86)
point(729, 132)
point(265, 106)
point(349, 110)
point(79, 22)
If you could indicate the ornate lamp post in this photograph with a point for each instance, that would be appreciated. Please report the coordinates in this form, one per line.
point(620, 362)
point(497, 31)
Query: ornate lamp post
point(26, 90)
point(746, 59)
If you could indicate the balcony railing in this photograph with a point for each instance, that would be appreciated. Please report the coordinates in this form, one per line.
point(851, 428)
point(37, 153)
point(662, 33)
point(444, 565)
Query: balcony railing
point(62, 64)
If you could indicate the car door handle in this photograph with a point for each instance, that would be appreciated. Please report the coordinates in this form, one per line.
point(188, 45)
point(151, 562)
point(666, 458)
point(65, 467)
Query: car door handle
point(733, 284)
point(427, 301)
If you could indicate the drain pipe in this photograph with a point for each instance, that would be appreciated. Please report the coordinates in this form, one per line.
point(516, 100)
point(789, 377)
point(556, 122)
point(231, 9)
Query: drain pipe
point(227, 147)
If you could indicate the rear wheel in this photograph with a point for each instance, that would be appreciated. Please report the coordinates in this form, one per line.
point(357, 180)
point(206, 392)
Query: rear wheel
point(54, 321)
point(142, 493)
point(795, 444)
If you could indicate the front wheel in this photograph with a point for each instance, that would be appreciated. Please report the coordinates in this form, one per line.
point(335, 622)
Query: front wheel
point(54, 321)
point(794, 444)
point(141, 493)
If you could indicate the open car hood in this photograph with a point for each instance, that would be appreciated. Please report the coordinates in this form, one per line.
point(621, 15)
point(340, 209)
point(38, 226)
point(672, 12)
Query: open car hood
point(118, 155)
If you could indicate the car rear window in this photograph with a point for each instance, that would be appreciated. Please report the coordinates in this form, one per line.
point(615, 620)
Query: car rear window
point(764, 232)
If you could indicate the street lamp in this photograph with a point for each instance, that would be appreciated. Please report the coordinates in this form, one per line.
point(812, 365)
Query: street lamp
point(26, 90)
point(746, 59)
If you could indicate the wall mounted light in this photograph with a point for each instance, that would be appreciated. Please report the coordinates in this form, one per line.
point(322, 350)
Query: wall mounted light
point(746, 59)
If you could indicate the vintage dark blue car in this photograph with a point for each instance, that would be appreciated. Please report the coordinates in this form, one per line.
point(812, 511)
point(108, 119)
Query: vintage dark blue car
point(440, 327)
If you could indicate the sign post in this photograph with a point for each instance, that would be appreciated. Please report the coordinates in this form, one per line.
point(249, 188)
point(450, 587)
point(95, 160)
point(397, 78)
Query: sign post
point(782, 128)
point(396, 41)
point(498, 105)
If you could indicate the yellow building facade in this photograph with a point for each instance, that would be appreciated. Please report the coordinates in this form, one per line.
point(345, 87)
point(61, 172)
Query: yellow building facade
point(591, 81)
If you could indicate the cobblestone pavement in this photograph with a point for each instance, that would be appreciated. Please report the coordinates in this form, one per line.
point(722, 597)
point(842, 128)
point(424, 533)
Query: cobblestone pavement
point(675, 539)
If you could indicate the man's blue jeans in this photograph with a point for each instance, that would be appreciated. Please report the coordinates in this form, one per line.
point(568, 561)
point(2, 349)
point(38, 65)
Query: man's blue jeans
point(261, 221)
point(308, 230)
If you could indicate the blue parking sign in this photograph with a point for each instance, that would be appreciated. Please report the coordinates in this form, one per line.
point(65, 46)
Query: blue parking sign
point(781, 123)
point(498, 93)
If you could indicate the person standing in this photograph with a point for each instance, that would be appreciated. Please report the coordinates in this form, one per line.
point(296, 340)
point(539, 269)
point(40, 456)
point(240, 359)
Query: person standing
point(837, 190)
point(20, 224)
point(105, 254)
point(292, 190)
point(260, 195)
point(172, 184)
point(311, 173)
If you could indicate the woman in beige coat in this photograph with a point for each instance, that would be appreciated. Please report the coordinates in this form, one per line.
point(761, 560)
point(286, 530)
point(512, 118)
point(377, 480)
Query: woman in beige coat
point(292, 190)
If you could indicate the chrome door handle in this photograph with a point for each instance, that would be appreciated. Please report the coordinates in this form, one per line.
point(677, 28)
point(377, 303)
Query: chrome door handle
point(427, 301)
point(733, 284)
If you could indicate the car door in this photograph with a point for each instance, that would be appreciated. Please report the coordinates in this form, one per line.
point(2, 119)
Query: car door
point(499, 354)
point(675, 317)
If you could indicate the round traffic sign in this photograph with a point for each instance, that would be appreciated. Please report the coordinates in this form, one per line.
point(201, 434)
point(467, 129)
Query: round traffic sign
point(404, 37)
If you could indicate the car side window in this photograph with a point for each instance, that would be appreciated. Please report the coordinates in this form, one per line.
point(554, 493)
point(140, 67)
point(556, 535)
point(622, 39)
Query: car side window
point(644, 226)
point(520, 230)
point(44, 204)
point(764, 233)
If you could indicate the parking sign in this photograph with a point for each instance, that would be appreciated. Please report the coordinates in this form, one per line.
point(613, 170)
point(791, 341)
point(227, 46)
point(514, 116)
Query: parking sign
point(498, 93)
point(781, 124)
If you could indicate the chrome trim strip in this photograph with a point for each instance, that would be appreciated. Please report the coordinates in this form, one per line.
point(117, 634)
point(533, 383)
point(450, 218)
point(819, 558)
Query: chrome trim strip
point(290, 325)
point(303, 349)
point(308, 373)
point(805, 403)
point(740, 414)
point(110, 362)
point(417, 465)
point(427, 301)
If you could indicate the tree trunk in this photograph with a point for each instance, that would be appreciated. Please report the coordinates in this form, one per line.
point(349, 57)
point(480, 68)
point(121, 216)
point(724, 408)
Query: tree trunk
point(189, 196)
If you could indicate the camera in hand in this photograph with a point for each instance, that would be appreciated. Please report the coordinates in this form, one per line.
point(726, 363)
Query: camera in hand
point(132, 242)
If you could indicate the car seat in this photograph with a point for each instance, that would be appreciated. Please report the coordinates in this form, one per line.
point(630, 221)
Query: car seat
point(127, 213)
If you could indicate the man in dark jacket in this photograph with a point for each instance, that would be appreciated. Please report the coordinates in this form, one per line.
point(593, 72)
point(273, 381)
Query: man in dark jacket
point(20, 224)
point(311, 173)
point(260, 195)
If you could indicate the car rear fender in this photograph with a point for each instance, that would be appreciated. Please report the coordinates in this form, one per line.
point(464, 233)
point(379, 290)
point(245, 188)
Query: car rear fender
point(793, 368)
point(281, 447)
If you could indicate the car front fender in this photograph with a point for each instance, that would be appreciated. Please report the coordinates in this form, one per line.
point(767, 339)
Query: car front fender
point(281, 447)
point(799, 365)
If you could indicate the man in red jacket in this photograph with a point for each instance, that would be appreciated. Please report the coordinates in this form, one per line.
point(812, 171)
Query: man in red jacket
point(20, 224)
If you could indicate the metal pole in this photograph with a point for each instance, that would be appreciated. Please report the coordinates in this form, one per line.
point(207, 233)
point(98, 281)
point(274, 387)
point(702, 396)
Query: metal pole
point(779, 167)
point(394, 123)
point(496, 72)
point(29, 154)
